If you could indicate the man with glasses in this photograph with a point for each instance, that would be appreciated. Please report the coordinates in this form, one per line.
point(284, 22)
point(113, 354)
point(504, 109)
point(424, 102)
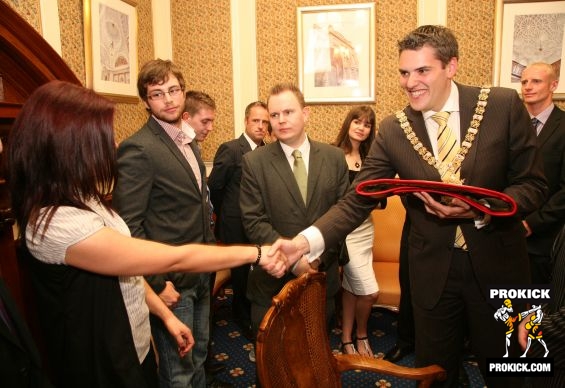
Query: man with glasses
point(161, 194)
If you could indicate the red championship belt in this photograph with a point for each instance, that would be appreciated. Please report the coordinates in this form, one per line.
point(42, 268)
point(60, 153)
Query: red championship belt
point(501, 205)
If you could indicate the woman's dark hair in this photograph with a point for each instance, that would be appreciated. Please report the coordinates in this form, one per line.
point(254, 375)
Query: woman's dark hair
point(61, 152)
point(343, 141)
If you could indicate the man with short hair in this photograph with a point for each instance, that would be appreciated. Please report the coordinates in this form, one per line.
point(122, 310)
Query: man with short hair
point(161, 194)
point(199, 113)
point(285, 186)
point(454, 251)
point(539, 81)
point(224, 183)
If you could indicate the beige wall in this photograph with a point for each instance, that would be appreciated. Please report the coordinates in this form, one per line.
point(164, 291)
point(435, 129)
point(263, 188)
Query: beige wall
point(202, 48)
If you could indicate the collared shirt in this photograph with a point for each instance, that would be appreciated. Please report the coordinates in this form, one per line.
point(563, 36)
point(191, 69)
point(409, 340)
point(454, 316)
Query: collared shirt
point(313, 234)
point(454, 122)
point(252, 144)
point(543, 117)
point(304, 148)
point(182, 138)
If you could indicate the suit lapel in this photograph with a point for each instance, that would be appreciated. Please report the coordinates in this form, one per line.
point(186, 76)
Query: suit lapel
point(468, 97)
point(550, 126)
point(245, 147)
point(174, 149)
point(315, 165)
point(280, 165)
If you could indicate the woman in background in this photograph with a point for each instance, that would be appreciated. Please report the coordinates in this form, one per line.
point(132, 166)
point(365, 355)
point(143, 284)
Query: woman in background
point(92, 302)
point(360, 288)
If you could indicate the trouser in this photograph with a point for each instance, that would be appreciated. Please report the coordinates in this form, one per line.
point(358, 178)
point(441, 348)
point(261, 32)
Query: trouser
point(193, 310)
point(462, 308)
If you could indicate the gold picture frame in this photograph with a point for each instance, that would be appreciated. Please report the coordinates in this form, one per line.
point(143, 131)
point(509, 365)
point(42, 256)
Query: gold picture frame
point(110, 42)
point(336, 53)
point(527, 32)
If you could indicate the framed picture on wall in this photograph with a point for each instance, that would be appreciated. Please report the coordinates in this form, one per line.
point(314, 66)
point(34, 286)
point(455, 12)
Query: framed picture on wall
point(110, 42)
point(528, 32)
point(336, 53)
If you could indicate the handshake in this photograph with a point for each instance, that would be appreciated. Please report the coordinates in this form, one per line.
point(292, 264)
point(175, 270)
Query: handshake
point(285, 255)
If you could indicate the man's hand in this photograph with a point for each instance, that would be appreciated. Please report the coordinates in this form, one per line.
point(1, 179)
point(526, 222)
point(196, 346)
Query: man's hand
point(276, 264)
point(181, 333)
point(455, 209)
point(302, 266)
point(169, 295)
point(293, 249)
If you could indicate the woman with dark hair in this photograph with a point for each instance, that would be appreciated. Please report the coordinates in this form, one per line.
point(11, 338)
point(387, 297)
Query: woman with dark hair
point(360, 288)
point(92, 302)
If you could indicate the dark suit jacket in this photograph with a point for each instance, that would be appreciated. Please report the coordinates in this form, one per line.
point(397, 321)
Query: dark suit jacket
point(20, 365)
point(272, 207)
point(503, 157)
point(224, 183)
point(549, 218)
point(158, 196)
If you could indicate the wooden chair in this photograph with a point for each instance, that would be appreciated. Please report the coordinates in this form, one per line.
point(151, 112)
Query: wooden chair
point(293, 347)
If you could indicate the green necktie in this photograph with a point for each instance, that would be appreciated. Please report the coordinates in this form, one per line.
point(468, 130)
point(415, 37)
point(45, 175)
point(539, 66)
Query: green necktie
point(300, 173)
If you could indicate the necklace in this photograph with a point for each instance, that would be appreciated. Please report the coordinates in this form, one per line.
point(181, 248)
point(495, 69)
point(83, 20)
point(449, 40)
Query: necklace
point(453, 166)
point(357, 164)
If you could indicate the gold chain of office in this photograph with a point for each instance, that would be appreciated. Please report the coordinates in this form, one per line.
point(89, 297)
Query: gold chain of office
point(453, 166)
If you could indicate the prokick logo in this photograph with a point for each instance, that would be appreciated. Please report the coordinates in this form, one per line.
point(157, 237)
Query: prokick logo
point(533, 326)
point(502, 298)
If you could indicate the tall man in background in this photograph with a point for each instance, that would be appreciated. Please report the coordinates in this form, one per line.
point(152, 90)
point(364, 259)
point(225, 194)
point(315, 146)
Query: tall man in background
point(224, 183)
point(161, 194)
point(539, 81)
point(448, 276)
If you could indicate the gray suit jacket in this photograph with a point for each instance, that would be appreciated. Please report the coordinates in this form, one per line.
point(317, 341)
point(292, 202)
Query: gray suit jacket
point(158, 196)
point(504, 157)
point(272, 207)
point(547, 221)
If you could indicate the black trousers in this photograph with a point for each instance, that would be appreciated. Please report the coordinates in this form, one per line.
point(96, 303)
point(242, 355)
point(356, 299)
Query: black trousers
point(405, 324)
point(462, 310)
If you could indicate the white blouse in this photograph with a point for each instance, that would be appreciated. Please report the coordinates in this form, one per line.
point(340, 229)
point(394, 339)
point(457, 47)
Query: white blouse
point(69, 226)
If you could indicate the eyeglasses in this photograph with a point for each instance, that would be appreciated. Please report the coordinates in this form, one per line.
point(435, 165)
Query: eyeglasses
point(159, 95)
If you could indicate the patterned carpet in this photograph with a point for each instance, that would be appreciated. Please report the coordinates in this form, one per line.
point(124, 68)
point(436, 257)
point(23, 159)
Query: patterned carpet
point(232, 349)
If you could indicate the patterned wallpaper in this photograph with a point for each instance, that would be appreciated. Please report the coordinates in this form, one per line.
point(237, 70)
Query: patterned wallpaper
point(202, 48)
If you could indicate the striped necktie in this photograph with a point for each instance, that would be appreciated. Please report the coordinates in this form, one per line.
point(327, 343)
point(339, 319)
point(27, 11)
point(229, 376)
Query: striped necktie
point(300, 173)
point(535, 123)
point(447, 149)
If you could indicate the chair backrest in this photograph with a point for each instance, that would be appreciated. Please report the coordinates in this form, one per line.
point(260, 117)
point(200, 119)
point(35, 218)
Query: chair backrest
point(293, 348)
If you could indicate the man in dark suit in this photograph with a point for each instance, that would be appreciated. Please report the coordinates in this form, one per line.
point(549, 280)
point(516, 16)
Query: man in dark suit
point(539, 81)
point(272, 204)
point(161, 194)
point(20, 364)
point(448, 278)
point(224, 183)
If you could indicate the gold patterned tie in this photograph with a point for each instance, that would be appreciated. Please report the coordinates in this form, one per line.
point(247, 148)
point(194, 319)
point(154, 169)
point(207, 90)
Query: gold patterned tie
point(447, 149)
point(300, 173)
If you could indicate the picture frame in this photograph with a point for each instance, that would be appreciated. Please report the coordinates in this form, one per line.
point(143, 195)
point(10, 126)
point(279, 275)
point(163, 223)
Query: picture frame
point(528, 32)
point(336, 53)
point(110, 42)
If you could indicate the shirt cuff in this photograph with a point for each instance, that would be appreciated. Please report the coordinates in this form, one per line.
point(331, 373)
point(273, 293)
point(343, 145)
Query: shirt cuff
point(484, 219)
point(316, 242)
